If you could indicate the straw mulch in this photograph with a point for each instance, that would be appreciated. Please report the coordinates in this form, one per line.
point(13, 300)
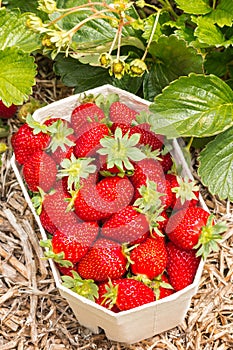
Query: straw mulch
point(35, 317)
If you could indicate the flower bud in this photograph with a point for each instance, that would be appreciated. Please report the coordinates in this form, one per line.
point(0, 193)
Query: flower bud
point(118, 68)
point(105, 59)
point(47, 6)
point(137, 68)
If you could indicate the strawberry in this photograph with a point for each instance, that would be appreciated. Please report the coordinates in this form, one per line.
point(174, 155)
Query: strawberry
point(166, 161)
point(62, 138)
point(101, 300)
point(74, 239)
point(161, 286)
point(89, 141)
point(108, 196)
point(181, 267)
point(25, 142)
point(86, 112)
point(185, 226)
point(147, 137)
point(54, 214)
point(151, 169)
point(149, 258)
point(105, 260)
point(35, 171)
point(7, 112)
point(120, 113)
point(185, 192)
point(126, 226)
point(128, 293)
point(120, 151)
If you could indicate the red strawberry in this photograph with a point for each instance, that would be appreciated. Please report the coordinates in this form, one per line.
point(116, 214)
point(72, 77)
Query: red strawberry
point(185, 226)
point(7, 112)
point(166, 161)
point(86, 112)
point(126, 226)
point(149, 258)
point(105, 260)
point(147, 137)
point(161, 286)
point(151, 169)
point(25, 142)
point(74, 239)
point(36, 170)
point(120, 113)
point(181, 267)
point(128, 293)
point(66, 271)
point(88, 142)
point(185, 192)
point(102, 290)
point(96, 202)
point(54, 214)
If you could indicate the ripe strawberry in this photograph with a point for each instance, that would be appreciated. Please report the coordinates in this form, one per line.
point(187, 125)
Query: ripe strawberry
point(185, 226)
point(120, 113)
point(149, 258)
point(161, 286)
point(126, 226)
point(166, 161)
point(147, 137)
point(88, 142)
point(7, 112)
point(74, 239)
point(120, 151)
point(128, 293)
point(62, 138)
point(151, 169)
point(105, 260)
point(36, 169)
point(54, 214)
point(185, 192)
point(102, 290)
point(108, 196)
point(86, 112)
point(25, 142)
point(181, 267)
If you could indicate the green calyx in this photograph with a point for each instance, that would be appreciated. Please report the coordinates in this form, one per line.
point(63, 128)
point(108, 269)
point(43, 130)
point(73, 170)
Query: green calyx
point(59, 136)
point(210, 237)
point(36, 126)
point(110, 297)
point(84, 287)
point(76, 169)
point(56, 257)
point(121, 150)
point(37, 200)
point(150, 205)
point(185, 190)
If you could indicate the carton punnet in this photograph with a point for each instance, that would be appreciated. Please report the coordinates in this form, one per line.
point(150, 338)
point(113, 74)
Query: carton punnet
point(142, 322)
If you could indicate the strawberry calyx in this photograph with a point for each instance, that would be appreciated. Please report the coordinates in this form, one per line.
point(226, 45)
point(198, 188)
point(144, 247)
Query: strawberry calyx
point(37, 200)
point(186, 189)
point(84, 287)
point(150, 205)
point(59, 132)
point(110, 297)
point(76, 169)
point(56, 257)
point(210, 237)
point(36, 126)
point(121, 150)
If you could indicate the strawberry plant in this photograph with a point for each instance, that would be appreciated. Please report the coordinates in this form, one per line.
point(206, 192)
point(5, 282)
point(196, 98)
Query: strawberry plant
point(124, 228)
point(176, 54)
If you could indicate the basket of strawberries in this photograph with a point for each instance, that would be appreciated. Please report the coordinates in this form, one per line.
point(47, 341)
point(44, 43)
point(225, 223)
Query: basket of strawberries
point(122, 220)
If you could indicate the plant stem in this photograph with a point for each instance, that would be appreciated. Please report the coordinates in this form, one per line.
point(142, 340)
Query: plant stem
point(188, 146)
point(151, 35)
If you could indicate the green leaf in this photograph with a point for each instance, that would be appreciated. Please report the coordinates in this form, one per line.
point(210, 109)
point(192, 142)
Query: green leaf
point(223, 14)
point(196, 105)
point(216, 165)
point(197, 7)
point(165, 52)
point(14, 32)
point(208, 33)
point(219, 62)
point(17, 76)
